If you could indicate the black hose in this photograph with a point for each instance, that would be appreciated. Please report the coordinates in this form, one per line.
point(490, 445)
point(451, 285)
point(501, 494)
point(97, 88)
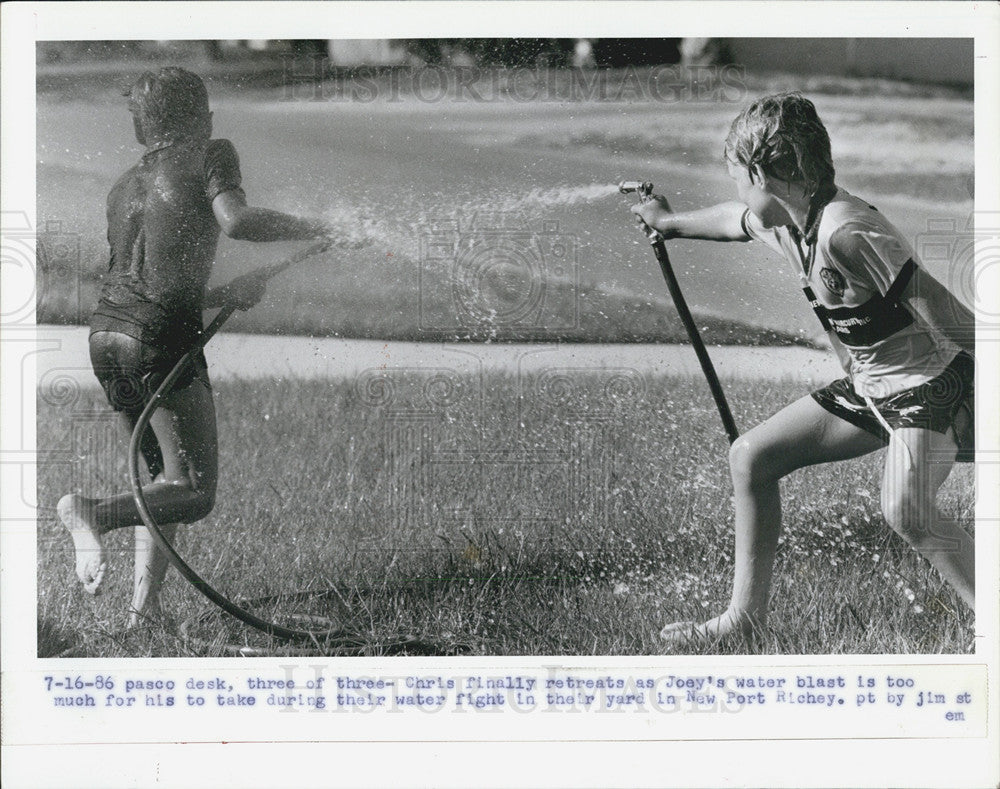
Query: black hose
point(270, 628)
point(645, 191)
point(707, 368)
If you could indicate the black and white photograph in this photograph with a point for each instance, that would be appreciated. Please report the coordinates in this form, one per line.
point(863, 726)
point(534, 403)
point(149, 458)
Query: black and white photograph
point(463, 351)
point(547, 447)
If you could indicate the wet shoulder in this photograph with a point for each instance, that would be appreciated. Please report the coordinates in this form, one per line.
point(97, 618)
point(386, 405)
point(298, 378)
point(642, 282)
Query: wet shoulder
point(221, 153)
point(220, 146)
point(176, 174)
point(221, 168)
point(129, 177)
point(127, 190)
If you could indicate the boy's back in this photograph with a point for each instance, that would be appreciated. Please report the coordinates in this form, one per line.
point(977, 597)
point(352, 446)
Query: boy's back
point(165, 216)
point(163, 236)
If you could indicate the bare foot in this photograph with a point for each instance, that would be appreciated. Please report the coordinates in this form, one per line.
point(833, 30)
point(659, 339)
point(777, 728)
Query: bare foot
point(723, 625)
point(150, 569)
point(77, 515)
point(151, 614)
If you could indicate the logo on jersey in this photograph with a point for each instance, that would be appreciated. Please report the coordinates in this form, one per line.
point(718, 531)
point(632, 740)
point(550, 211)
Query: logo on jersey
point(833, 280)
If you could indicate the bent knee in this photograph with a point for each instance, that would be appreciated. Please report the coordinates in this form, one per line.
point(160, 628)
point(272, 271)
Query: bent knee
point(752, 464)
point(199, 501)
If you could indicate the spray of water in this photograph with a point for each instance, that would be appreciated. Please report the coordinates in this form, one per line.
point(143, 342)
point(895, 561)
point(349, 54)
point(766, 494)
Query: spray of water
point(352, 229)
point(415, 222)
point(488, 246)
point(534, 202)
point(557, 196)
point(407, 221)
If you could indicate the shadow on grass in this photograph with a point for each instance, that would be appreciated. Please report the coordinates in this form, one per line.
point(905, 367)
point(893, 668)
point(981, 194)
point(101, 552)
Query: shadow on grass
point(440, 605)
point(152, 639)
point(52, 639)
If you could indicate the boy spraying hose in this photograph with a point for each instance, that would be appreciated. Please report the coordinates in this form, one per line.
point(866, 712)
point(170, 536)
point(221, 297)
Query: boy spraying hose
point(904, 341)
point(165, 215)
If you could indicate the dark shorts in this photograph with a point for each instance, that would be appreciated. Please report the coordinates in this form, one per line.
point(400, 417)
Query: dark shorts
point(130, 371)
point(944, 403)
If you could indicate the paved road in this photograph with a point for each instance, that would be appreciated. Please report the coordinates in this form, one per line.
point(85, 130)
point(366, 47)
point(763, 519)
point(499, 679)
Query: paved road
point(62, 354)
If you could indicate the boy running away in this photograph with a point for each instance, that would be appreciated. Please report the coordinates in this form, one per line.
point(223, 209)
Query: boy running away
point(164, 218)
point(904, 341)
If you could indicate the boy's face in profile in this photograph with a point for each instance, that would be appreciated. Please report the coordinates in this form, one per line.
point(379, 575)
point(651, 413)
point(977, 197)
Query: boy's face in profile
point(137, 125)
point(753, 191)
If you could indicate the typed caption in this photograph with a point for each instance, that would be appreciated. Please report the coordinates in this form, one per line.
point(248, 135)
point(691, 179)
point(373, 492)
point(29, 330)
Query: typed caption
point(947, 700)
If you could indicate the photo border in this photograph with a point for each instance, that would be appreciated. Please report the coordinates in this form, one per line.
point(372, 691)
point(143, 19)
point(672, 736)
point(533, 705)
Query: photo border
point(224, 748)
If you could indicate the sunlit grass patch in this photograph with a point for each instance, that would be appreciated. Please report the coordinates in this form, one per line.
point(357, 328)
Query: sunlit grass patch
point(538, 514)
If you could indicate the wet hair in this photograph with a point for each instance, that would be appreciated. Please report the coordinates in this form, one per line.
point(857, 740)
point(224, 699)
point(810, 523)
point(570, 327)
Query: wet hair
point(783, 135)
point(169, 103)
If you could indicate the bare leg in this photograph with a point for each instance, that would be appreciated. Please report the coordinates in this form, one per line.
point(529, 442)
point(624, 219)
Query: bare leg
point(917, 464)
point(151, 566)
point(185, 429)
point(801, 434)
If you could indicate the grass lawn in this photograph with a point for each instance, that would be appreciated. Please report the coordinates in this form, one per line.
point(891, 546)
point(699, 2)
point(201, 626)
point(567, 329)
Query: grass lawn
point(546, 515)
point(321, 297)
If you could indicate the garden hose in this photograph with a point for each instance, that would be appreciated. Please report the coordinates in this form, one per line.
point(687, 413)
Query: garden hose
point(325, 638)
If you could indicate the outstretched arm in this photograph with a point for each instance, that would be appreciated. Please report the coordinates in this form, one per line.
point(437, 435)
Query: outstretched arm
point(722, 222)
point(249, 223)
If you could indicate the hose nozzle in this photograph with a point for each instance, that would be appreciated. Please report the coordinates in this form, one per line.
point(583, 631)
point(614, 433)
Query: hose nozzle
point(644, 188)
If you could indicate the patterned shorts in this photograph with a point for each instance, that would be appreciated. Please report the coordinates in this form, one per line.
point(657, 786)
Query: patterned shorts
point(945, 402)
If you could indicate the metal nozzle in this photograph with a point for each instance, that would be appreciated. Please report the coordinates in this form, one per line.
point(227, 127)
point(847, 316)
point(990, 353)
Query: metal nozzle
point(644, 188)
